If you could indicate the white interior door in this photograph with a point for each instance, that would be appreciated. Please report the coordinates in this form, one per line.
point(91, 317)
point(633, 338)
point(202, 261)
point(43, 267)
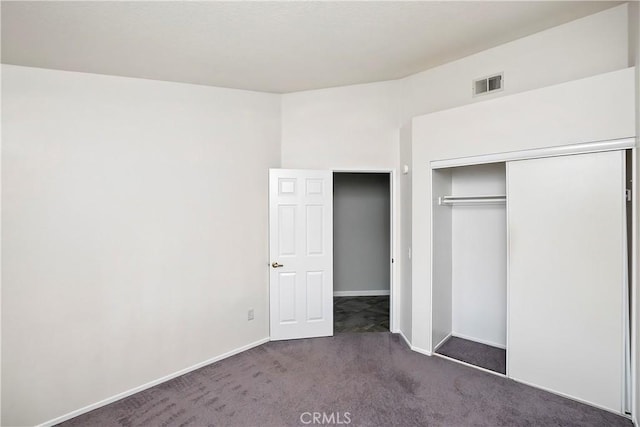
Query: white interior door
point(301, 250)
point(566, 275)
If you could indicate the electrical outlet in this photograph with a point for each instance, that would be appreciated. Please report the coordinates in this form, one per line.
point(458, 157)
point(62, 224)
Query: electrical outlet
point(250, 314)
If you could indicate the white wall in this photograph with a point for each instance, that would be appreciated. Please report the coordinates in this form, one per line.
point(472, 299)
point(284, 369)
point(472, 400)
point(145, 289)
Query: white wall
point(349, 127)
point(134, 232)
point(479, 256)
point(591, 109)
point(361, 227)
point(634, 33)
point(588, 46)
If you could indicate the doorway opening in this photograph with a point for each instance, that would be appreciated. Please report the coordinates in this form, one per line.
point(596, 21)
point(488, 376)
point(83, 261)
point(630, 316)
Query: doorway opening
point(362, 251)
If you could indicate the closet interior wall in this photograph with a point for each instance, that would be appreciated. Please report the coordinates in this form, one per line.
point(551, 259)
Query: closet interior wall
point(441, 297)
point(470, 256)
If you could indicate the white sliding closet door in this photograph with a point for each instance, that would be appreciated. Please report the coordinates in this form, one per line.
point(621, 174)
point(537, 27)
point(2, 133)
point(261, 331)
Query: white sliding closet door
point(566, 262)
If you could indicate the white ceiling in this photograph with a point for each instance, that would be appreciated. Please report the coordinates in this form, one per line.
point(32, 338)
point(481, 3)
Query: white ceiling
point(268, 46)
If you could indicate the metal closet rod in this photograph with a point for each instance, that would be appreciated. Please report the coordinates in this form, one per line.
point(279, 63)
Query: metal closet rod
point(471, 200)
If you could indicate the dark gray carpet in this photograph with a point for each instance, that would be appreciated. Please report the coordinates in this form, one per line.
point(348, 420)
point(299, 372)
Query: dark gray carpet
point(361, 314)
point(485, 356)
point(374, 377)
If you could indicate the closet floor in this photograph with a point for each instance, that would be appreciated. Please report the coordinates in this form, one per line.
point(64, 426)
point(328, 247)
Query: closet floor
point(361, 314)
point(474, 353)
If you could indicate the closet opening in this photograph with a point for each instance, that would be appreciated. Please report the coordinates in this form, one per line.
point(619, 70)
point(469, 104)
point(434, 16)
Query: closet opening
point(361, 251)
point(469, 299)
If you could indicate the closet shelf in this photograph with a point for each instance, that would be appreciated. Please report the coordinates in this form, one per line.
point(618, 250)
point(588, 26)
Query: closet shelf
point(471, 200)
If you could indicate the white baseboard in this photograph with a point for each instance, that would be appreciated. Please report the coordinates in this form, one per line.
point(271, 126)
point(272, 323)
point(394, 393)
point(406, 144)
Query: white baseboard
point(474, 339)
point(489, 371)
point(421, 350)
point(404, 337)
point(150, 384)
point(441, 342)
point(361, 293)
point(413, 347)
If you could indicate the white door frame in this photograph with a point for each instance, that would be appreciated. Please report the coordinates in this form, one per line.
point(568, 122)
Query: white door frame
point(393, 270)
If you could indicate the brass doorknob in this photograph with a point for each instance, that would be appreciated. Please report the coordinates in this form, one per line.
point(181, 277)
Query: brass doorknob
point(276, 265)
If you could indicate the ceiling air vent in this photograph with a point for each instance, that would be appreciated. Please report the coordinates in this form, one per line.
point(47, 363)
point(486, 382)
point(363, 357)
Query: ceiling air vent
point(488, 84)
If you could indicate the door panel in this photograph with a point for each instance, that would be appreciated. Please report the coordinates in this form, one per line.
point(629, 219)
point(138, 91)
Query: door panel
point(301, 241)
point(566, 275)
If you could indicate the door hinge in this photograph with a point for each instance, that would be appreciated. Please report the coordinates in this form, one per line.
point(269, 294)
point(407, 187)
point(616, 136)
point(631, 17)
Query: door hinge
point(392, 260)
point(627, 194)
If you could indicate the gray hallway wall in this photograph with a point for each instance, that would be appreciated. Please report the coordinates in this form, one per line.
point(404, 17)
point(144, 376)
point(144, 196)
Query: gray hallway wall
point(361, 233)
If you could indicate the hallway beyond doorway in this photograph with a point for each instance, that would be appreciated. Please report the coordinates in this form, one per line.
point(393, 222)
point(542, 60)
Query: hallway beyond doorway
point(361, 314)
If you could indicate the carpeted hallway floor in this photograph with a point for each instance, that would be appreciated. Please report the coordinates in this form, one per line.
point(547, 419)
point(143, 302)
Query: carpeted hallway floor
point(361, 314)
point(373, 377)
